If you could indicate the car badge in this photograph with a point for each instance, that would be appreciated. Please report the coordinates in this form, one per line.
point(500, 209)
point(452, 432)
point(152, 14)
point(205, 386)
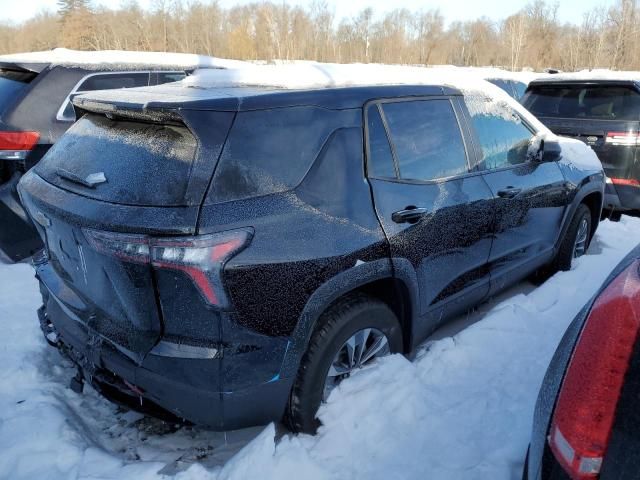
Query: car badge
point(592, 139)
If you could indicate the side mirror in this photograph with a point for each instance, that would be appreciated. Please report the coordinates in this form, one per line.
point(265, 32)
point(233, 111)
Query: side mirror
point(544, 149)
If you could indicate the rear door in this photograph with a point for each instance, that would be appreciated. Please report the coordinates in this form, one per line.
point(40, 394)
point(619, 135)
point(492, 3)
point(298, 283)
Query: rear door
point(435, 212)
point(529, 197)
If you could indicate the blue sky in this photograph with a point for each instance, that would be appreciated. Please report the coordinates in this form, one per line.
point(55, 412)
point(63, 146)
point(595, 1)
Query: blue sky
point(569, 10)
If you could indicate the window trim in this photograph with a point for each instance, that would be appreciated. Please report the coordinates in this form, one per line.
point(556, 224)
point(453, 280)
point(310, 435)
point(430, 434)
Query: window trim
point(467, 144)
point(60, 113)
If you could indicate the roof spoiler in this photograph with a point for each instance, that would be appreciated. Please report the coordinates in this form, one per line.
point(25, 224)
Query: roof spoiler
point(133, 111)
point(25, 67)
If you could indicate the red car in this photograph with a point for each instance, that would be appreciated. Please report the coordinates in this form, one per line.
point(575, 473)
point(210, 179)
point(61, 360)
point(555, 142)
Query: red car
point(587, 419)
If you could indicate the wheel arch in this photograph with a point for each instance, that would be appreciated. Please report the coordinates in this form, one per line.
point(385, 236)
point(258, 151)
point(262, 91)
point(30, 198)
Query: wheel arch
point(591, 194)
point(593, 200)
point(397, 287)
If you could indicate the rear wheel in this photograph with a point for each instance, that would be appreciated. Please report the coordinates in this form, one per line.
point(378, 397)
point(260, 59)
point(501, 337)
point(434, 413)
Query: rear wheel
point(576, 240)
point(352, 334)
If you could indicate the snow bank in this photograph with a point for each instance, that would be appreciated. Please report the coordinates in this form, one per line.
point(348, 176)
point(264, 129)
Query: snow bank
point(461, 410)
point(118, 59)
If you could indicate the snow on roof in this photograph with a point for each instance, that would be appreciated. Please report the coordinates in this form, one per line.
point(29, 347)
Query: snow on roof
point(117, 59)
point(311, 75)
point(596, 74)
point(498, 73)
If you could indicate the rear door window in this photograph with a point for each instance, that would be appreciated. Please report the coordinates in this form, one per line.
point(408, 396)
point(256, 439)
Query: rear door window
point(592, 102)
point(502, 135)
point(380, 157)
point(143, 163)
point(427, 139)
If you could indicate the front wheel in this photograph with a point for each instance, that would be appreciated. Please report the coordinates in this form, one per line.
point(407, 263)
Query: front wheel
point(576, 240)
point(352, 334)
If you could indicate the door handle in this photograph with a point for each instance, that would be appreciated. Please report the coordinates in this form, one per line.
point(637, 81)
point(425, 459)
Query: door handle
point(509, 192)
point(410, 214)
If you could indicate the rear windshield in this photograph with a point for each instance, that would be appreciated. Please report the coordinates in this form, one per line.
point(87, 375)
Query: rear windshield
point(143, 163)
point(592, 102)
point(11, 83)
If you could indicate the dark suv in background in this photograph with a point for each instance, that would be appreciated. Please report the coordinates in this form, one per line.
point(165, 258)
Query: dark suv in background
point(231, 254)
point(604, 114)
point(36, 110)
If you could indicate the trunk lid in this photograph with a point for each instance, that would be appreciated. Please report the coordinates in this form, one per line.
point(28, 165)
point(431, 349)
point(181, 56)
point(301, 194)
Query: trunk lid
point(156, 178)
point(618, 159)
point(604, 115)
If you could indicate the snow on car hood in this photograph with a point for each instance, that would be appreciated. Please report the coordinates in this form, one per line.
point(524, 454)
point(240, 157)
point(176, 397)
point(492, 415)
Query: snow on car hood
point(578, 154)
point(116, 59)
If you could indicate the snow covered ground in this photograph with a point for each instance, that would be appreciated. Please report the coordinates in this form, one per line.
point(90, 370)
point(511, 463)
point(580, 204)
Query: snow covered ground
point(461, 410)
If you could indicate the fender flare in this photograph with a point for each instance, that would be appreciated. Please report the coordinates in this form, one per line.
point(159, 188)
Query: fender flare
point(339, 285)
point(586, 187)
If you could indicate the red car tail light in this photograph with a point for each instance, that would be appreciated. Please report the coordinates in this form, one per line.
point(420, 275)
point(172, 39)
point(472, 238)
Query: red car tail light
point(16, 145)
point(585, 412)
point(623, 138)
point(202, 257)
point(626, 181)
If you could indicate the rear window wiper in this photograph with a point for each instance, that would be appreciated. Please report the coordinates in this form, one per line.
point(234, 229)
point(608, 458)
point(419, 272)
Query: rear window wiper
point(90, 181)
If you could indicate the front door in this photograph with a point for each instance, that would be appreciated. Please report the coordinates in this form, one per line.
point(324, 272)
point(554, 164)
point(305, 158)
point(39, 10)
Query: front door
point(530, 197)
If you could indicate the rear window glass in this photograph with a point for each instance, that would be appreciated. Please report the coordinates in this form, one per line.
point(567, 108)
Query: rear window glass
point(594, 102)
point(144, 163)
point(12, 82)
point(270, 151)
point(427, 139)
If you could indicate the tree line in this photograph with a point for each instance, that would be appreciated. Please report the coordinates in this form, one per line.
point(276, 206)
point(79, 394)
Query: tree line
point(534, 37)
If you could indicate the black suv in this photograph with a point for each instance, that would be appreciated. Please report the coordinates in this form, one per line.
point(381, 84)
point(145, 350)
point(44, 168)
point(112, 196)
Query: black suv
point(231, 254)
point(35, 110)
point(604, 114)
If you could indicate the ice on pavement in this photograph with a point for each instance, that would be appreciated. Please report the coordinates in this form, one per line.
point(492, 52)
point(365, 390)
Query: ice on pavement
point(119, 58)
point(461, 410)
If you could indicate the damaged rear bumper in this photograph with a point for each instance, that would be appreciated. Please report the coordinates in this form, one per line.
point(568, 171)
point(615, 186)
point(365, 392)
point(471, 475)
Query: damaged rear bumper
point(172, 381)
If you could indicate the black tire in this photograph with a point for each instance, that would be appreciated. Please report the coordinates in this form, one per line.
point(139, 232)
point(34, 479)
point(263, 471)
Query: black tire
point(342, 320)
point(525, 468)
point(565, 255)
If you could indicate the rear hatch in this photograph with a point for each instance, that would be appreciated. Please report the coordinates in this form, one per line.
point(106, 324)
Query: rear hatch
point(99, 193)
point(605, 116)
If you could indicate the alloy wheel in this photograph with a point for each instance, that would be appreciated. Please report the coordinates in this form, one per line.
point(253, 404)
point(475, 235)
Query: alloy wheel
point(360, 350)
point(582, 237)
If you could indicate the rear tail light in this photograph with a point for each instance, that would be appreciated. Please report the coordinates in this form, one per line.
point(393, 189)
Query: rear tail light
point(16, 145)
point(585, 412)
point(202, 258)
point(630, 182)
point(623, 138)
